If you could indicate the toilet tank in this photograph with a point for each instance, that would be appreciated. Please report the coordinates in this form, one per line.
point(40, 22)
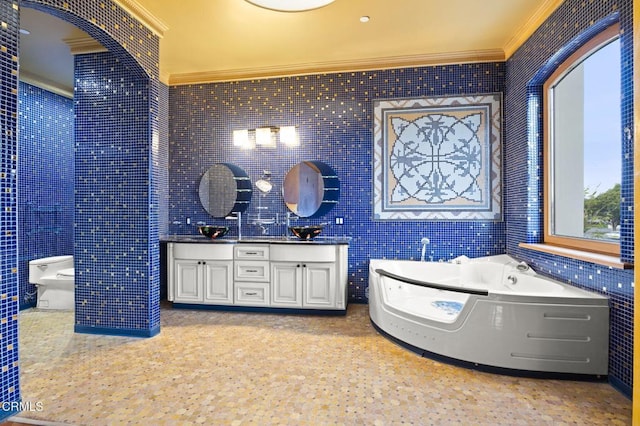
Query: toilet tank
point(47, 267)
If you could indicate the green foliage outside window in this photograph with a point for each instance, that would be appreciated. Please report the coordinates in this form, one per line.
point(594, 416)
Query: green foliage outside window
point(602, 214)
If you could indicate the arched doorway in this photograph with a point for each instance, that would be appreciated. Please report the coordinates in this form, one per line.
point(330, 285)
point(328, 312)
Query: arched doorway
point(116, 237)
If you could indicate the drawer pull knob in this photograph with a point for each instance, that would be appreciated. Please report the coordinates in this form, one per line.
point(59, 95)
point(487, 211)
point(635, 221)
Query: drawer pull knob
point(253, 253)
point(251, 293)
point(252, 270)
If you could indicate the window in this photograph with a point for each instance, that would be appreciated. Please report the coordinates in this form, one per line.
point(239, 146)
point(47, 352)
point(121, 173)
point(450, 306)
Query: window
point(583, 161)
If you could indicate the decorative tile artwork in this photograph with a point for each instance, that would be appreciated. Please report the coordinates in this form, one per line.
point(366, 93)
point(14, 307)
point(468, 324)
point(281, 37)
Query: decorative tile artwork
point(438, 158)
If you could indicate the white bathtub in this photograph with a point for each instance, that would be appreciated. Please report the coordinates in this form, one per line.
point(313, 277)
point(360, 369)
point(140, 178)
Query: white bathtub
point(491, 313)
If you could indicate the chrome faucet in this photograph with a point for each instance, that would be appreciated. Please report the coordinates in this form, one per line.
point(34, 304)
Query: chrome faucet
point(424, 241)
point(288, 218)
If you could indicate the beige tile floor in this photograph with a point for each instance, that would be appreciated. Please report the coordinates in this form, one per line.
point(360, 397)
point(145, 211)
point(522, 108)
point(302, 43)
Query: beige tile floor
point(223, 368)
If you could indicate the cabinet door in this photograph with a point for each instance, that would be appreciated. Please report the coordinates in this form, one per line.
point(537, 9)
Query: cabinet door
point(319, 285)
point(218, 282)
point(188, 281)
point(286, 284)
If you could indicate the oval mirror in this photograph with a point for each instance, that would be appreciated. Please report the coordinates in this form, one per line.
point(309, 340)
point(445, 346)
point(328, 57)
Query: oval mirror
point(225, 189)
point(311, 189)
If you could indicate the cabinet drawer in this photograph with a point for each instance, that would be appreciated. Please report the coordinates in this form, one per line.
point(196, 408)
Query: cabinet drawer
point(246, 270)
point(205, 251)
point(303, 253)
point(252, 252)
point(252, 294)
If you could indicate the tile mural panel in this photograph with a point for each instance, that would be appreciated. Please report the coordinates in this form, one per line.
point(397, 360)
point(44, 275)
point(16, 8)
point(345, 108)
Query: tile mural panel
point(438, 158)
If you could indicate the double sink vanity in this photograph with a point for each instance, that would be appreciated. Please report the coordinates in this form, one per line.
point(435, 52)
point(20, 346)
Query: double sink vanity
point(258, 272)
point(263, 272)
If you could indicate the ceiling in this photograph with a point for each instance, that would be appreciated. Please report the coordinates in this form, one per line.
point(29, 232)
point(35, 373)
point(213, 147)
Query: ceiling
point(45, 59)
point(226, 40)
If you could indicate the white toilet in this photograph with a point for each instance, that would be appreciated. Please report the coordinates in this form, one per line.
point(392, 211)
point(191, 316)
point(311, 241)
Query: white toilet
point(54, 277)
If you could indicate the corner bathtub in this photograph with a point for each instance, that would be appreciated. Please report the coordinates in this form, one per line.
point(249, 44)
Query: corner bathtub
point(491, 313)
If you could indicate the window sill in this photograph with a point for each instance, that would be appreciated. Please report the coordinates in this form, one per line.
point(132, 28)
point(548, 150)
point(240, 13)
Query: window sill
point(598, 258)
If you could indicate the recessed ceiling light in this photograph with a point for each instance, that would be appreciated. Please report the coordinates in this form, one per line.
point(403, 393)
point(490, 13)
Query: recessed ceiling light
point(25, 32)
point(364, 18)
point(290, 5)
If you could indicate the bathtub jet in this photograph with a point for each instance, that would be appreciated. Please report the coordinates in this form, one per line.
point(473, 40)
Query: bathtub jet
point(491, 313)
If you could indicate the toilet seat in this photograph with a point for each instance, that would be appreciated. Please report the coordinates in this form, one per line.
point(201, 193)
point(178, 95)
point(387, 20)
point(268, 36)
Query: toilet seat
point(66, 273)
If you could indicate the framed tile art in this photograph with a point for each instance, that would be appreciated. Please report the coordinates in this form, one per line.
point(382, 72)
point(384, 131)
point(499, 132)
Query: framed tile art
point(438, 158)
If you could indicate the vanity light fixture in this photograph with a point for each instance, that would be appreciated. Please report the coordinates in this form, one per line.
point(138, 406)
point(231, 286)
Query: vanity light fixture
point(290, 5)
point(265, 137)
point(289, 136)
point(241, 139)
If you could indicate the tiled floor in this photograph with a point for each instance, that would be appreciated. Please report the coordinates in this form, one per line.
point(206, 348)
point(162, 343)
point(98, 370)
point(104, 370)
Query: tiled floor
point(218, 368)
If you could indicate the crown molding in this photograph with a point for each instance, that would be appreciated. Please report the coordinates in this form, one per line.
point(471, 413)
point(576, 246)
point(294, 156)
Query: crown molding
point(84, 45)
point(525, 31)
point(46, 84)
point(164, 77)
point(145, 17)
point(491, 55)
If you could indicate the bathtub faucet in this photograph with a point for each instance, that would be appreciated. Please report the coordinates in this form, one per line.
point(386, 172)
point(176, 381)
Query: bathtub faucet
point(424, 241)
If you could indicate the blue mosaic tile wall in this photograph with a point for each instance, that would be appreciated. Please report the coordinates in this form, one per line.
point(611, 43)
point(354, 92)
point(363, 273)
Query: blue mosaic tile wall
point(103, 20)
point(115, 265)
point(555, 39)
point(134, 49)
point(9, 370)
point(333, 113)
point(45, 181)
point(160, 159)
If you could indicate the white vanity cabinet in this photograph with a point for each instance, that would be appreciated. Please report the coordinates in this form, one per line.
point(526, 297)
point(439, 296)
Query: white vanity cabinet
point(309, 276)
point(270, 275)
point(303, 284)
point(200, 273)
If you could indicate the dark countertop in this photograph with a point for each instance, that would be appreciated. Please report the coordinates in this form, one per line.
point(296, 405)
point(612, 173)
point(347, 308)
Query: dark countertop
point(264, 239)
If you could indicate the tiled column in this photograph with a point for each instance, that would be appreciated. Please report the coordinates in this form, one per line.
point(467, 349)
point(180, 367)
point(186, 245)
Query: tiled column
point(9, 372)
point(113, 238)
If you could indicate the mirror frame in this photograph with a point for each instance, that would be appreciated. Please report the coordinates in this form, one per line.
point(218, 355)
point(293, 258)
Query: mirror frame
point(330, 190)
point(237, 178)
